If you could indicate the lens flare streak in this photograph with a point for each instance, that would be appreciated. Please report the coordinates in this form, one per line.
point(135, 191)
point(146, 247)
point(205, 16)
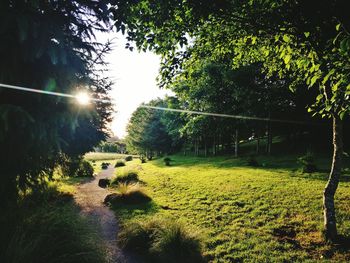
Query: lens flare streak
point(84, 99)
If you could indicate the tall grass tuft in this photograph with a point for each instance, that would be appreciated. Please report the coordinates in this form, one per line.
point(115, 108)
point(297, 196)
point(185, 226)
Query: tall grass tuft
point(128, 194)
point(119, 163)
point(160, 240)
point(50, 231)
point(128, 158)
point(126, 176)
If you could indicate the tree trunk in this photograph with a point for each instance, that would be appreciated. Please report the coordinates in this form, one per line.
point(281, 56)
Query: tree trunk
point(258, 145)
point(236, 144)
point(269, 138)
point(333, 181)
point(214, 142)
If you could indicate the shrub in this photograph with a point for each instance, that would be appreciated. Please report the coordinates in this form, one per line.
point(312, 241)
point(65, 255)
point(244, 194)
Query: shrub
point(128, 158)
point(76, 167)
point(104, 166)
point(128, 194)
point(251, 161)
point(104, 182)
point(85, 170)
point(119, 163)
point(308, 163)
point(161, 241)
point(142, 159)
point(127, 176)
point(167, 161)
point(70, 166)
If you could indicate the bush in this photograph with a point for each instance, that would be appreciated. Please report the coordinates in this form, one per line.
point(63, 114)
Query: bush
point(251, 161)
point(85, 170)
point(128, 158)
point(104, 166)
point(119, 163)
point(70, 166)
point(167, 161)
point(161, 241)
point(142, 159)
point(308, 163)
point(76, 167)
point(104, 182)
point(127, 176)
point(128, 194)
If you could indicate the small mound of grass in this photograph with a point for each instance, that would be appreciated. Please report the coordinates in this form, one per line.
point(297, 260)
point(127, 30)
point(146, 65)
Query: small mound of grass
point(161, 241)
point(252, 161)
point(104, 165)
point(127, 176)
point(128, 194)
point(119, 163)
point(167, 161)
point(128, 158)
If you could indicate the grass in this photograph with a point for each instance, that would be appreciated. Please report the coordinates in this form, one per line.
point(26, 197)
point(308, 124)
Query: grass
point(128, 193)
point(160, 240)
point(120, 163)
point(99, 156)
point(128, 175)
point(270, 213)
point(47, 227)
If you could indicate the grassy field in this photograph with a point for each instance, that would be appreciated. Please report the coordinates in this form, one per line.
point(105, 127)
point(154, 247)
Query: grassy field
point(99, 156)
point(272, 213)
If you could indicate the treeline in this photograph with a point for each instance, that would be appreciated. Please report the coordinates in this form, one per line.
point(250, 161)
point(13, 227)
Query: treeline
point(113, 144)
point(214, 87)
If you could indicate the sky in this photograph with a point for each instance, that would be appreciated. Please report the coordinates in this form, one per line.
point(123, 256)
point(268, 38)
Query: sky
point(134, 75)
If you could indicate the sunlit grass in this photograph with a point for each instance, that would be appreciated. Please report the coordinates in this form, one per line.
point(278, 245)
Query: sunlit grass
point(104, 156)
point(271, 213)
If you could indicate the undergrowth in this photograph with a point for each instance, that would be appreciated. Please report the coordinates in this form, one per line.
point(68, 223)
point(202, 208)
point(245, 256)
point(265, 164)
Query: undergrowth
point(46, 228)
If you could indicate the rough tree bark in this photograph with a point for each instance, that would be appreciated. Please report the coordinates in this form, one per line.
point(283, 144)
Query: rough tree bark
point(330, 225)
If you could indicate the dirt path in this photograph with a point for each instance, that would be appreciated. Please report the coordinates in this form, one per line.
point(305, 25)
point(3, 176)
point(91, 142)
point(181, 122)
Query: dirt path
point(89, 196)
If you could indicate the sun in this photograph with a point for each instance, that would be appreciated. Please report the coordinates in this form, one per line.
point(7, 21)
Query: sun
point(83, 98)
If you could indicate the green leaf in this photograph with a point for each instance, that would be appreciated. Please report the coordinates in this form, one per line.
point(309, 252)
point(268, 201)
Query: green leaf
point(286, 38)
point(342, 114)
point(319, 97)
point(307, 34)
point(287, 59)
point(337, 27)
point(313, 80)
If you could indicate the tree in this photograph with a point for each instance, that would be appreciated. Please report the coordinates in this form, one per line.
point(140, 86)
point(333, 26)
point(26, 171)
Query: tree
point(146, 132)
point(305, 40)
point(48, 45)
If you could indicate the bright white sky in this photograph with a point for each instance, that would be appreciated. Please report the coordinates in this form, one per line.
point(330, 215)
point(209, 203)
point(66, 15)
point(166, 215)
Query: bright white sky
point(134, 75)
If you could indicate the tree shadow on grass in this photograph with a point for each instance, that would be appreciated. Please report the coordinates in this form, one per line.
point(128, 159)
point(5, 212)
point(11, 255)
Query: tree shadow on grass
point(341, 246)
point(78, 180)
point(321, 176)
point(131, 210)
